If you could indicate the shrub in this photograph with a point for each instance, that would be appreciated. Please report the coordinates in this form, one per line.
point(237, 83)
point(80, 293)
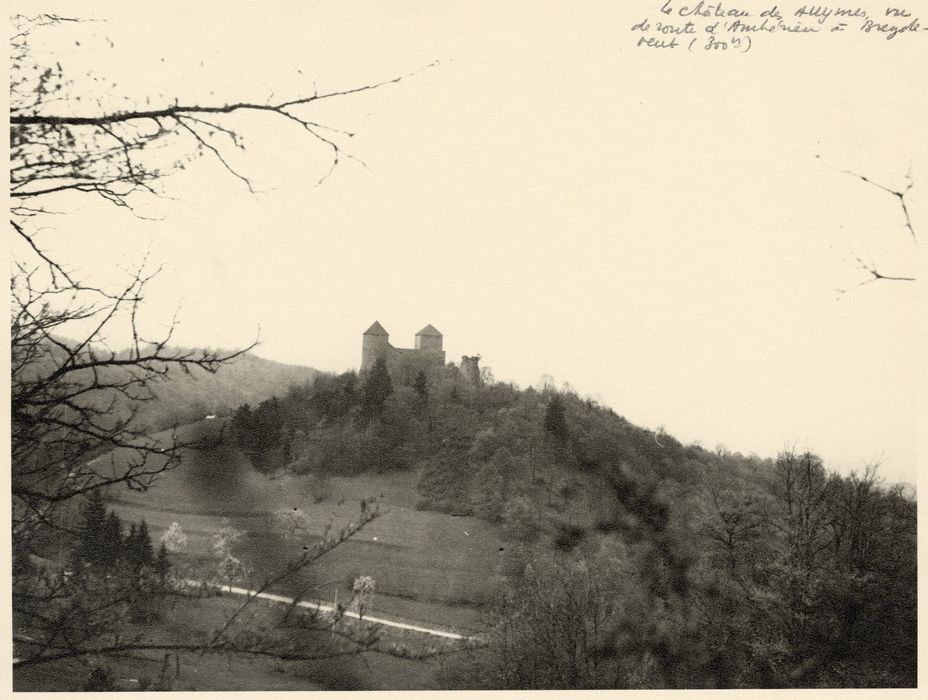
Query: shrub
point(520, 520)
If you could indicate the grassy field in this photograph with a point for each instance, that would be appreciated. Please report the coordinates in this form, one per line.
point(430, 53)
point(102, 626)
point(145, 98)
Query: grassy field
point(188, 620)
point(429, 568)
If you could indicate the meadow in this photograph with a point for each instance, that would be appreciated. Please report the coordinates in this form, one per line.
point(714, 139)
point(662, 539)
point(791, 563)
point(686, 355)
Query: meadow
point(189, 620)
point(429, 568)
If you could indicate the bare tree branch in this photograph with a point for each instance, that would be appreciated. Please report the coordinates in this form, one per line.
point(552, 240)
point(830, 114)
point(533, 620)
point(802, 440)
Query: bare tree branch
point(875, 274)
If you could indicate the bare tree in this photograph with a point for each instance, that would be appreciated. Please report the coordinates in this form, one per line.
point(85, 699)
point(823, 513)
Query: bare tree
point(904, 222)
point(803, 491)
point(73, 397)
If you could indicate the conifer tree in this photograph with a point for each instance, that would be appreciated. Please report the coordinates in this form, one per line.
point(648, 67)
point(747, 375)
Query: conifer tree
point(145, 547)
point(130, 547)
point(377, 387)
point(111, 541)
point(90, 548)
point(555, 423)
point(162, 565)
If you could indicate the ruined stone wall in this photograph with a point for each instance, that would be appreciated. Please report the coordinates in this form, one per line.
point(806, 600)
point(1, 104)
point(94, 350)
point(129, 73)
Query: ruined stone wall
point(470, 368)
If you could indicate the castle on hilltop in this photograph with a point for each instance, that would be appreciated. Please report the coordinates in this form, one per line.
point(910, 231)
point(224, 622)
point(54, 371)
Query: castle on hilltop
point(427, 353)
point(376, 344)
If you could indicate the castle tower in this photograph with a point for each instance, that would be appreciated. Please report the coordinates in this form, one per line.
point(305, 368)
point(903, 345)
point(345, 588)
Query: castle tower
point(375, 343)
point(429, 339)
point(470, 368)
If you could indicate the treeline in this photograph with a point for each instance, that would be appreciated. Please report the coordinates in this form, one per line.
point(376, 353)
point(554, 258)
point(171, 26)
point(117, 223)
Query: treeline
point(657, 564)
point(111, 579)
point(798, 578)
point(184, 397)
point(342, 424)
point(104, 548)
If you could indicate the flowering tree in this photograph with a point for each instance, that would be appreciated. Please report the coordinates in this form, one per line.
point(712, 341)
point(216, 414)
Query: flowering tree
point(363, 593)
point(230, 567)
point(174, 538)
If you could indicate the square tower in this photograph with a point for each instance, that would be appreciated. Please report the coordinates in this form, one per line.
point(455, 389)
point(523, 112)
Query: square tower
point(429, 339)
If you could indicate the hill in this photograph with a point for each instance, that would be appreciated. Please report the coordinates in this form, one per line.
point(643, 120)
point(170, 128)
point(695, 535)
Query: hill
point(733, 571)
point(185, 397)
point(430, 568)
point(589, 552)
point(181, 395)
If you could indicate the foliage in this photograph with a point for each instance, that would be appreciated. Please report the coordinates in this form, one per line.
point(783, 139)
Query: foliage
point(77, 419)
point(101, 546)
point(259, 433)
point(740, 571)
point(174, 539)
point(421, 385)
point(374, 392)
point(555, 423)
point(553, 631)
point(362, 593)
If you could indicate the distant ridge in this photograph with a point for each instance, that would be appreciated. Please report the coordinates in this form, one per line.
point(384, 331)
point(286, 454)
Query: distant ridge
point(246, 379)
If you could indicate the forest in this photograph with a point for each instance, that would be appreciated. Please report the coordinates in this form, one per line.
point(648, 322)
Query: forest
point(606, 555)
point(641, 562)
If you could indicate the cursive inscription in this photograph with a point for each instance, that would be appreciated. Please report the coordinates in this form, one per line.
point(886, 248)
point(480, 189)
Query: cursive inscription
point(735, 27)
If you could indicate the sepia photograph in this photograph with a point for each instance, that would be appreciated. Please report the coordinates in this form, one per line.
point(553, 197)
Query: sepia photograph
point(460, 346)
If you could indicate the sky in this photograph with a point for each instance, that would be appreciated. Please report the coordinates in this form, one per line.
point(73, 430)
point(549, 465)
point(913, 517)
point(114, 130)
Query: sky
point(664, 231)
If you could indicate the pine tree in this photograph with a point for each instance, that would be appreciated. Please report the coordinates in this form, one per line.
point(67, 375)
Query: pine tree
point(145, 547)
point(377, 387)
point(130, 547)
point(162, 565)
point(555, 422)
point(112, 542)
point(91, 546)
point(243, 426)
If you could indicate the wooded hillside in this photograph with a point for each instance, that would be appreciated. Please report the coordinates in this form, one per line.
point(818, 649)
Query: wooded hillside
point(640, 561)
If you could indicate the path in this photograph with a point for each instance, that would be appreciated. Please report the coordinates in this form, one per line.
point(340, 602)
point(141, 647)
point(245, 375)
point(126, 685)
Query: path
point(322, 607)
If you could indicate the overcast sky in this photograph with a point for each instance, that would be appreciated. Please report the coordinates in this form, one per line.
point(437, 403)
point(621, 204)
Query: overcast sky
point(655, 228)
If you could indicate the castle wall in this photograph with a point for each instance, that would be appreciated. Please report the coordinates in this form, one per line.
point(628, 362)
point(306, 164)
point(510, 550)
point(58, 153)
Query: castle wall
point(470, 368)
point(404, 363)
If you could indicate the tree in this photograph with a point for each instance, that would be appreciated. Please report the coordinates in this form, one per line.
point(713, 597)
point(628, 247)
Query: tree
point(803, 491)
point(553, 632)
point(362, 593)
point(736, 521)
point(798, 592)
point(130, 546)
point(555, 422)
point(62, 390)
point(377, 387)
point(174, 539)
point(91, 548)
point(146, 552)
point(421, 385)
point(70, 436)
point(112, 539)
point(162, 566)
point(260, 433)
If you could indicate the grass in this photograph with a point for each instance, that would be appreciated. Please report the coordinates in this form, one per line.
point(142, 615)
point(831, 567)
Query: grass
point(430, 568)
point(188, 619)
